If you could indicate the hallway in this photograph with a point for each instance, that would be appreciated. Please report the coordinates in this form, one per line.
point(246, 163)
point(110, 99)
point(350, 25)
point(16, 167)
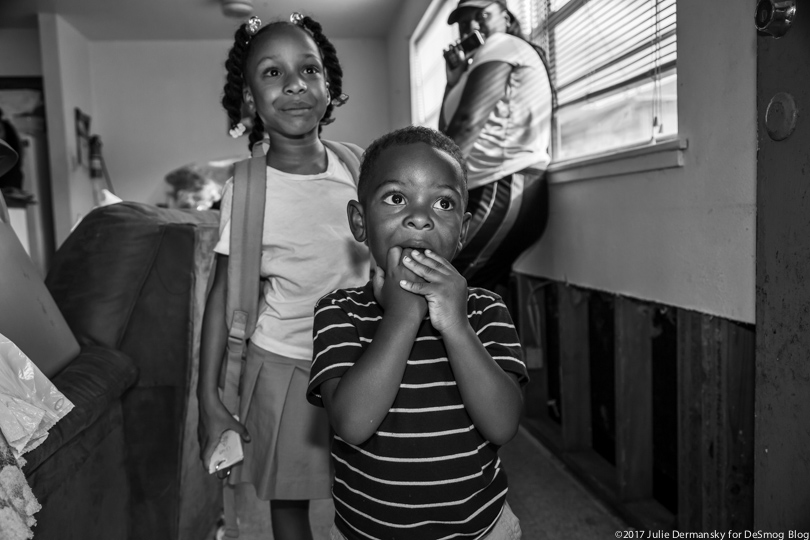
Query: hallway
point(550, 503)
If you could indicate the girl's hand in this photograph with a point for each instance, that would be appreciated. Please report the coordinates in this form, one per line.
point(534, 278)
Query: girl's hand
point(214, 421)
point(444, 289)
point(393, 299)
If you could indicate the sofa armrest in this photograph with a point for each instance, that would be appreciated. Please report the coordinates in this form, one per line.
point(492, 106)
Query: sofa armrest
point(92, 382)
point(127, 277)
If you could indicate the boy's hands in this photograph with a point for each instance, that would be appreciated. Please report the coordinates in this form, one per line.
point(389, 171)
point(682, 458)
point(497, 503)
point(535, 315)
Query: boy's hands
point(392, 297)
point(443, 287)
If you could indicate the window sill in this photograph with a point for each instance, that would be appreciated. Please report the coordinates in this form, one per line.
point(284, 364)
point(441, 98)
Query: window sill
point(661, 155)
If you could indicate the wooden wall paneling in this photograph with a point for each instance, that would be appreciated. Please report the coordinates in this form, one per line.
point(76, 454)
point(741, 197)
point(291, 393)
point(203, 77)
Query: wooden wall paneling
point(664, 343)
point(690, 414)
point(739, 472)
point(716, 423)
point(575, 380)
point(531, 327)
point(602, 365)
point(728, 423)
point(634, 456)
point(741, 400)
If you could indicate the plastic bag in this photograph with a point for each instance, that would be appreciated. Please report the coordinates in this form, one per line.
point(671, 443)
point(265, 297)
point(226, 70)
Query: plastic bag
point(29, 403)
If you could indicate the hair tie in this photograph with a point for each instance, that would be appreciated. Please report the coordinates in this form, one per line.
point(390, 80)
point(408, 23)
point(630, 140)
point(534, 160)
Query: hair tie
point(296, 18)
point(253, 25)
point(238, 130)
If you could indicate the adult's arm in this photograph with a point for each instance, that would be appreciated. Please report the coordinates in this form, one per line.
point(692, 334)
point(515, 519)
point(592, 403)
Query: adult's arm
point(485, 86)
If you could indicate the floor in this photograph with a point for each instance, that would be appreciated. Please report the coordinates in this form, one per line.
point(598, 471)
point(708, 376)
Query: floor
point(549, 502)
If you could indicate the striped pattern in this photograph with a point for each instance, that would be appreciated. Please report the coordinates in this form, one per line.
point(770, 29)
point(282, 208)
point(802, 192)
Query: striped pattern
point(508, 216)
point(427, 473)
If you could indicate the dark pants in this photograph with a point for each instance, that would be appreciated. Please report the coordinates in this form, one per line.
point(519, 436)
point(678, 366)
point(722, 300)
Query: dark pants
point(508, 216)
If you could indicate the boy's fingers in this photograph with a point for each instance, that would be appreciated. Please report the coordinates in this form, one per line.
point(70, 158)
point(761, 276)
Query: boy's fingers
point(438, 259)
point(421, 288)
point(428, 269)
point(394, 255)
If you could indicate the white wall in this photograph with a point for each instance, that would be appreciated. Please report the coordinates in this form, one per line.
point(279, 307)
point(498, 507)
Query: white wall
point(19, 53)
point(157, 105)
point(366, 80)
point(66, 65)
point(685, 236)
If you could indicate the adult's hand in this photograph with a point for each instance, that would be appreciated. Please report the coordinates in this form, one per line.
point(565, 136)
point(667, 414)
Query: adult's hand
point(456, 68)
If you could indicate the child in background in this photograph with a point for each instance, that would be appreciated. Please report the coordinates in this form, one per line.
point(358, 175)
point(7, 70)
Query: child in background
point(289, 76)
point(419, 405)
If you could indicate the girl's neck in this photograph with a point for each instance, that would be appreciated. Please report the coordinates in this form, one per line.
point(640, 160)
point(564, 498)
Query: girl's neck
point(306, 155)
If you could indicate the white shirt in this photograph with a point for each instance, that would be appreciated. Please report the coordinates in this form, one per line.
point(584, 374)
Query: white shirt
point(517, 133)
point(307, 251)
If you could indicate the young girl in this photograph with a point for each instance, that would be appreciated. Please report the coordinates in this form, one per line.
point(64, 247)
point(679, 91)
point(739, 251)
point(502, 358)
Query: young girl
point(289, 77)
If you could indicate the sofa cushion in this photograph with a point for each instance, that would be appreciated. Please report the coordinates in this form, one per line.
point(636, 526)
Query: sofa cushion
point(92, 382)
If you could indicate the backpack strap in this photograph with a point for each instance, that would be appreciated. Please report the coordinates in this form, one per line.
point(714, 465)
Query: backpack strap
point(349, 153)
point(242, 296)
point(244, 261)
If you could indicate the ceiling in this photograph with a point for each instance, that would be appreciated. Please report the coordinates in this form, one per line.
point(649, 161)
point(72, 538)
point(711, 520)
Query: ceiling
point(108, 20)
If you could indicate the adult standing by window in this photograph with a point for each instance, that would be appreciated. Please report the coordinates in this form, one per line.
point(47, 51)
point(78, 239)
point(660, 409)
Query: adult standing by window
point(497, 108)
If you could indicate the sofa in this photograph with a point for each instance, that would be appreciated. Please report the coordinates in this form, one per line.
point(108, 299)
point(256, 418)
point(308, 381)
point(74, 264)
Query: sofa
point(130, 280)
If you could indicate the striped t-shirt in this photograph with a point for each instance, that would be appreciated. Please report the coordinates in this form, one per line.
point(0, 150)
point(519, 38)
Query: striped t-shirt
point(427, 472)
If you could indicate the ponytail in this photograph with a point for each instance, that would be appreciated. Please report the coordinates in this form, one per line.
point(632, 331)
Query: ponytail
point(232, 97)
point(331, 64)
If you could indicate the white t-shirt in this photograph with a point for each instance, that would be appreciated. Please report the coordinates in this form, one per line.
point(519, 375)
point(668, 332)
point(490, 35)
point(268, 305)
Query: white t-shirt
point(517, 133)
point(307, 251)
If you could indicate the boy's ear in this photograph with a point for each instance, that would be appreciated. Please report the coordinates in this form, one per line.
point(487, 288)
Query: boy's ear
point(357, 221)
point(465, 225)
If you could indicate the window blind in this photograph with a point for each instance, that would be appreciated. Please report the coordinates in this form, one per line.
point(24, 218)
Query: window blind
point(613, 65)
point(607, 43)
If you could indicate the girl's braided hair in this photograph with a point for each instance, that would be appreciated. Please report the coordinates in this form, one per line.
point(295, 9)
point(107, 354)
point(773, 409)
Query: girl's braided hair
point(236, 79)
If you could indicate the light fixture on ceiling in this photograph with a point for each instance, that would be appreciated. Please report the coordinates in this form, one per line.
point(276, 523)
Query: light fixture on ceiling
point(237, 8)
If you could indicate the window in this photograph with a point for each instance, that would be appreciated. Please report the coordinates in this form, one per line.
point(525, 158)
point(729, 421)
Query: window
point(432, 36)
point(613, 64)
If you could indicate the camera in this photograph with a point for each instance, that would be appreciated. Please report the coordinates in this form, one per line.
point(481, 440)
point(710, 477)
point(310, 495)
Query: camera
point(459, 51)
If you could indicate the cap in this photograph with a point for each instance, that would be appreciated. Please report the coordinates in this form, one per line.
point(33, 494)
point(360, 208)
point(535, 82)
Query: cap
point(478, 4)
point(8, 157)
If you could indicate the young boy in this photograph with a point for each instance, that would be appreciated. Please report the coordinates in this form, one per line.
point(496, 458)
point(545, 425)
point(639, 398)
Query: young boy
point(420, 376)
